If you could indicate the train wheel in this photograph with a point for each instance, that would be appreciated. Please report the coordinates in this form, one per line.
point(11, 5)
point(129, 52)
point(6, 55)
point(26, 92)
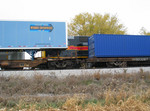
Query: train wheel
point(109, 65)
point(123, 64)
point(116, 64)
point(51, 65)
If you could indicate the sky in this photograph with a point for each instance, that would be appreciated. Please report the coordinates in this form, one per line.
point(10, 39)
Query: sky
point(133, 14)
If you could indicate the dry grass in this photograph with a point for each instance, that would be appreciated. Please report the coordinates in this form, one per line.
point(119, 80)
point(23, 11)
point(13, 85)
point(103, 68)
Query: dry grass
point(98, 92)
point(76, 104)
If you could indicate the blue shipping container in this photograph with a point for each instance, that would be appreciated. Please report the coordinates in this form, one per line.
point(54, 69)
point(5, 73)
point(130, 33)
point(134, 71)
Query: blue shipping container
point(32, 35)
point(107, 45)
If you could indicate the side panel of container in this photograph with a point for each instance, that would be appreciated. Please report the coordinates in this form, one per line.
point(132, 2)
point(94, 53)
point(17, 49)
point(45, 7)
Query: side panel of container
point(121, 46)
point(32, 35)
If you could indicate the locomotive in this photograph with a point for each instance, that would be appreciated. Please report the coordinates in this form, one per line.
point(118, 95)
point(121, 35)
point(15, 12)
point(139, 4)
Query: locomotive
point(73, 57)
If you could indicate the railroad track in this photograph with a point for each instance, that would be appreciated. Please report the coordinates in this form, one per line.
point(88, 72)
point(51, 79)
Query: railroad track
point(64, 73)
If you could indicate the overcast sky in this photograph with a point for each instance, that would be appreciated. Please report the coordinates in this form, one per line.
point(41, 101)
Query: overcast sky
point(134, 14)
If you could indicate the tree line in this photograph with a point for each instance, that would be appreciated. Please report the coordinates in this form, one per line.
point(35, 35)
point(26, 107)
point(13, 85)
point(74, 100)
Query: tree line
point(86, 24)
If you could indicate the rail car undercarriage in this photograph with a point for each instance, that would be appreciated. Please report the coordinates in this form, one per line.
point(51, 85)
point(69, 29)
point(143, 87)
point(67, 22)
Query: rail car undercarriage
point(74, 63)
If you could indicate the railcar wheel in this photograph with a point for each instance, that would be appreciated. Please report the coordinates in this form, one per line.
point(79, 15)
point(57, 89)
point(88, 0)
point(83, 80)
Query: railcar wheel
point(109, 65)
point(51, 65)
point(116, 64)
point(123, 64)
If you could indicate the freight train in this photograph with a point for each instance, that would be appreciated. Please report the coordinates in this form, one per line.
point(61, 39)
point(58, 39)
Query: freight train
point(61, 52)
point(83, 52)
